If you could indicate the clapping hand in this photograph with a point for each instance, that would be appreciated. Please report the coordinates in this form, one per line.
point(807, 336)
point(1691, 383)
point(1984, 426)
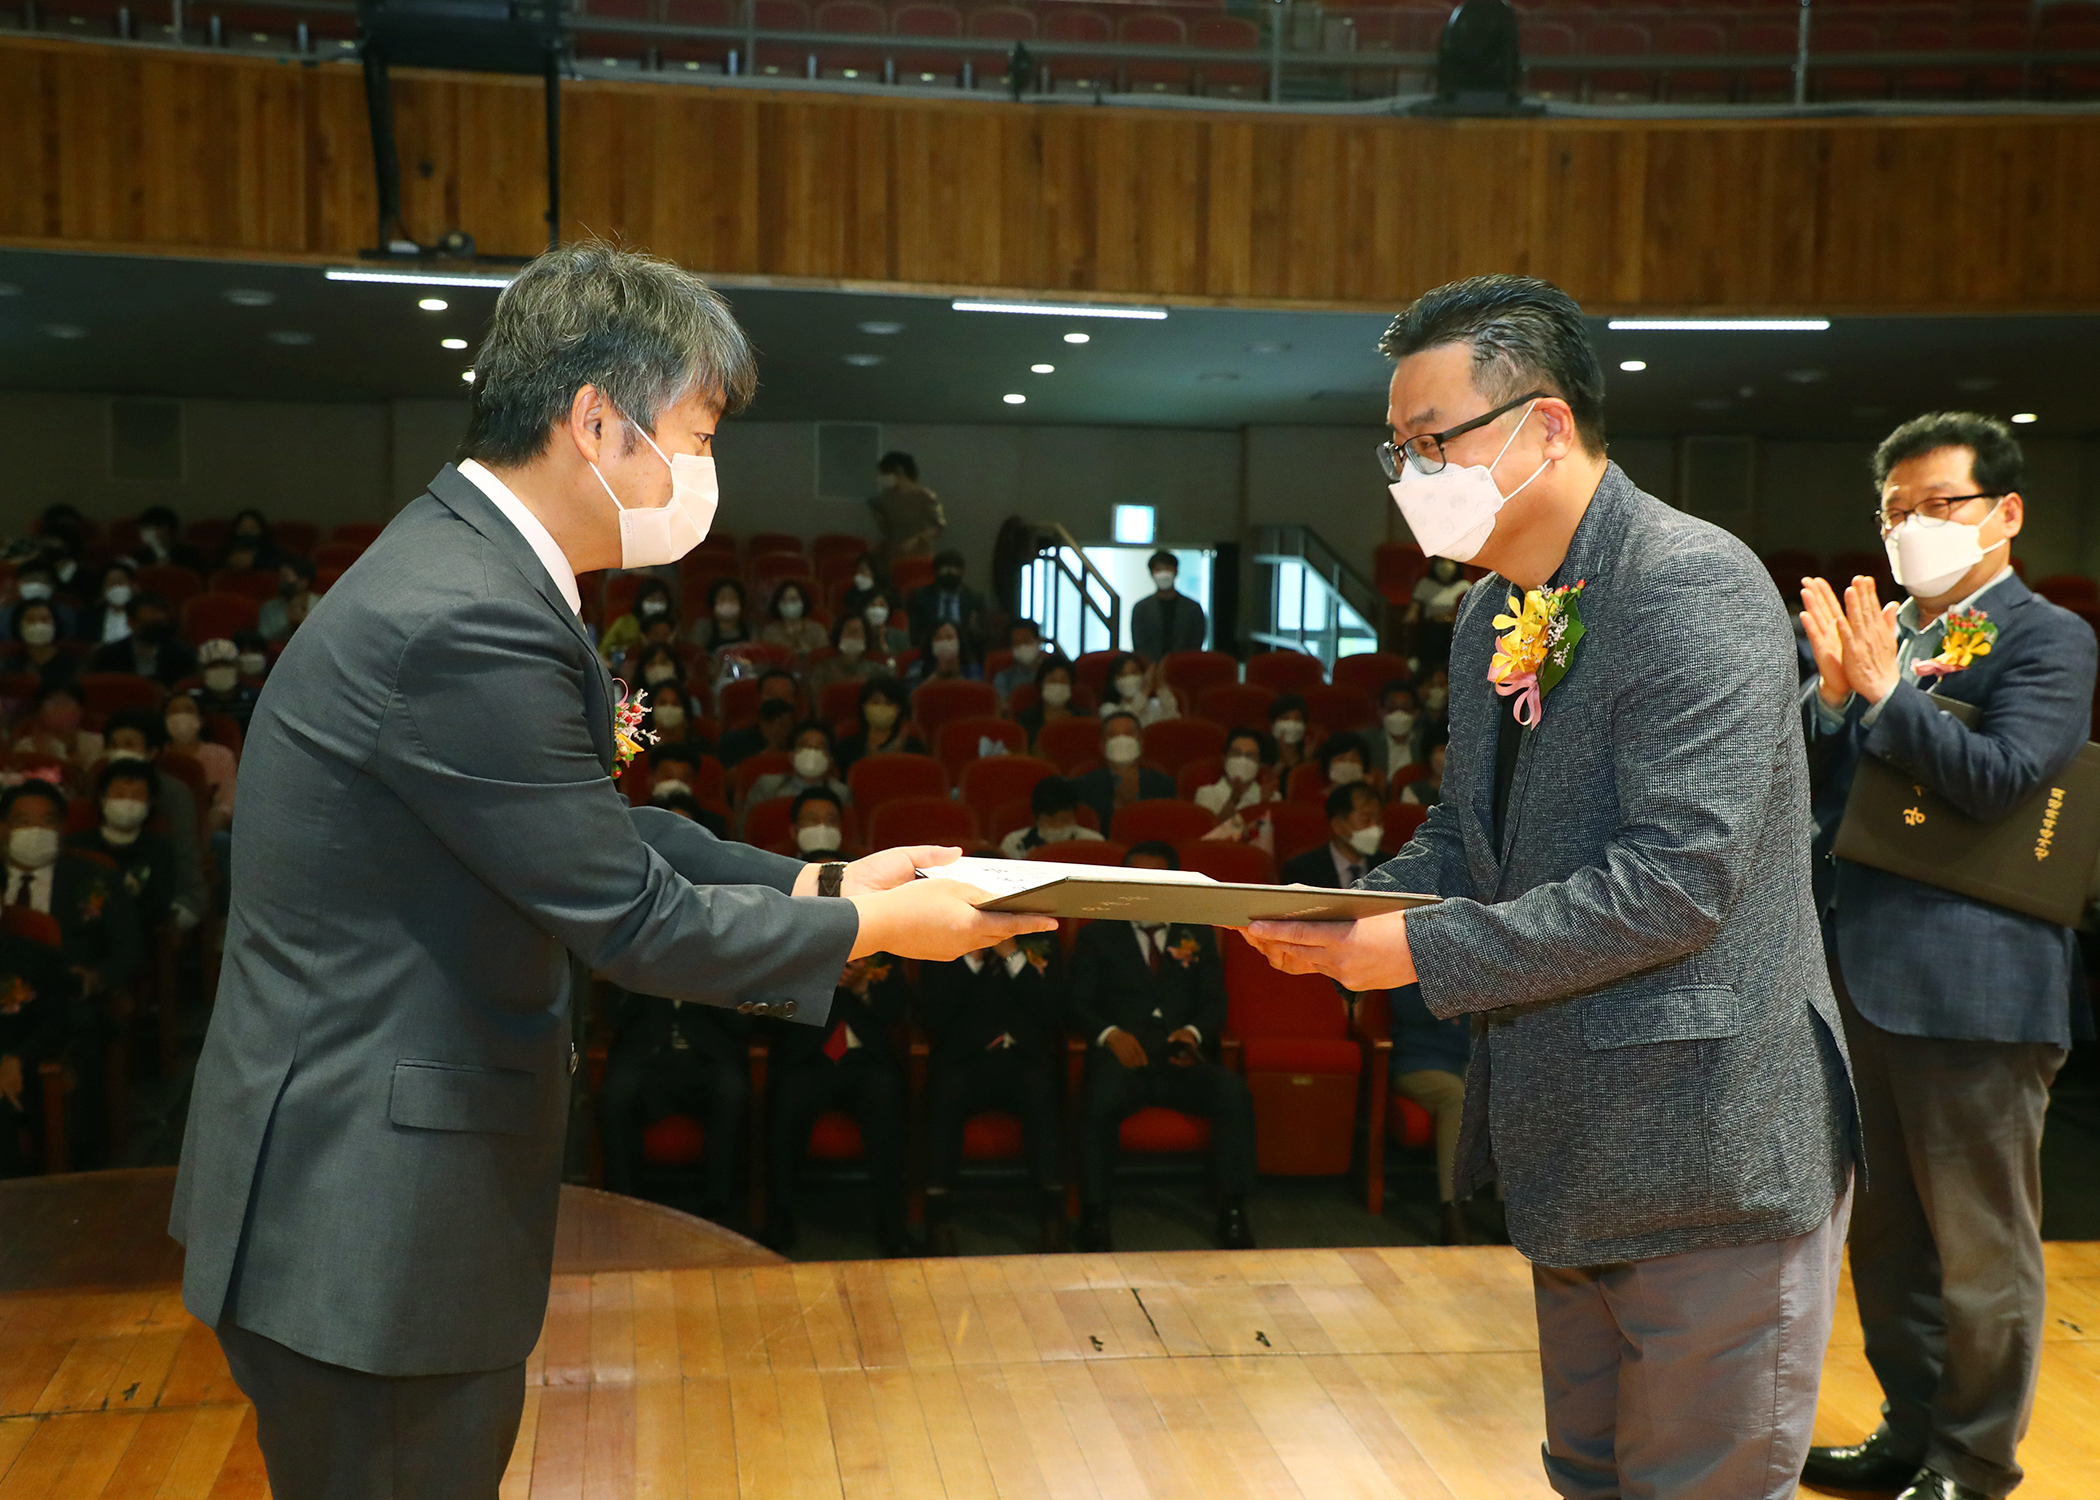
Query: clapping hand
point(1861, 635)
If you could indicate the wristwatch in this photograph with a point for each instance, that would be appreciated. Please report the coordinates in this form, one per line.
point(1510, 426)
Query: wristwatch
point(830, 876)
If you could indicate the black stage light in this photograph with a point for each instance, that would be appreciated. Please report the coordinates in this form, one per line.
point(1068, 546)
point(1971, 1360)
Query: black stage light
point(1477, 71)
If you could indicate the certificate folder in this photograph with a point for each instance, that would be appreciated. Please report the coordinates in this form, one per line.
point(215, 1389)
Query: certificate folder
point(2037, 859)
point(1136, 895)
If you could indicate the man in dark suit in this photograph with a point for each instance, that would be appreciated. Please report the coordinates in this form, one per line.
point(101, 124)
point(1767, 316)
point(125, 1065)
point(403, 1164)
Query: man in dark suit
point(1354, 826)
point(673, 1057)
point(1150, 1000)
point(153, 649)
point(1166, 619)
point(946, 600)
point(33, 989)
point(850, 1065)
point(431, 847)
point(1958, 1012)
point(1119, 780)
point(992, 1017)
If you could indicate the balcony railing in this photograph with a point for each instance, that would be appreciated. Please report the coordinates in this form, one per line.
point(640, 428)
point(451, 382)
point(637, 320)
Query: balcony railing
point(1317, 603)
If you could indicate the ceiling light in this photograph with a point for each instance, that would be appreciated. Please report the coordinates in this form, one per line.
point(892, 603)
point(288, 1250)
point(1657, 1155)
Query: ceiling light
point(1014, 398)
point(9, 289)
point(452, 343)
point(1633, 365)
point(291, 338)
point(65, 331)
point(880, 329)
point(467, 376)
point(1718, 325)
point(2024, 417)
point(1266, 346)
point(249, 296)
point(1062, 309)
point(1077, 338)
point(433, 304)
point(1806, 377)
point(863, 361)
point(417, 278)
point(1042, 369)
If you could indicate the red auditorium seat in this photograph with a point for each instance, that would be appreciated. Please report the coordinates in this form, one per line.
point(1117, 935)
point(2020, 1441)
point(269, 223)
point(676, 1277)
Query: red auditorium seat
point(1158, 1131)
point(993, 1135)
point(1547, 39)
point(921, 820)
point(1090, 671)
point(1222, 859)
point(1070, 744)
point(1306, 785)
point(1154, 28)
point(1236, 704)
point(212, 617)
point(1845, 33)
point(837, 544)
point(876, 779)
point(1689, 36)
point(927, 22)
point(1001, 26)
point(1193, 671)
point(835, 1137)
point(1396, 568)
point(1077, 26)
point(350, 533)
point(1610, 37)
point(1172, 743)
point(620, 589)
point(1301, 1065)
point(1367, 672)
point(675, 1141)
point(1929, 32)
point(840, 703)
point(108, 692)
point(1166, 819)
point(209, 535)
point(253, 583)
point(1401, 821)
point(296, 537)
point(934, 703)
point(1229, 34)
point(737, 702)
point(1776, 39)
point(1285, 671)
point(2070, 26)
point(177, 585)
point(766, 823)
point(758, 763)
point(1337, 709)
point(769, 570)
point(761, 542)
point(959, 742)
point(781, 15)
point(2071, 590)
point(907, 576)
point(1299, 826)
point(990, 783)
point(1196, 774)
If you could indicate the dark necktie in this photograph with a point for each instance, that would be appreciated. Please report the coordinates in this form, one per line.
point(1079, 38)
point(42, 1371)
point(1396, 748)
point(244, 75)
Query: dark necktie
point(22, 884)
point(1153, 935)
point(1356, 873)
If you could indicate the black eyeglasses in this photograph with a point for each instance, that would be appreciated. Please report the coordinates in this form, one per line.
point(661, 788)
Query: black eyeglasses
point(1426, 450)
point(1937, 511)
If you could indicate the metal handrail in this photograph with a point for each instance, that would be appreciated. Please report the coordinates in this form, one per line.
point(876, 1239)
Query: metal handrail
point(1097, 598)
point(1281, 546)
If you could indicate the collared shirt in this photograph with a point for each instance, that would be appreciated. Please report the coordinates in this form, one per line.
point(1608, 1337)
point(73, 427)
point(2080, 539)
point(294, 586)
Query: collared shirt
point(1151, 941)
point(1015, 963)
point(537, 536)
point(39, 887)
point(1348, 868)
point(1914, 643)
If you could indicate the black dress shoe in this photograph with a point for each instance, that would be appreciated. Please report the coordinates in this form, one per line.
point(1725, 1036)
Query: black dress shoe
point(1931, 1485)
point(1093, 1231)
point(1234, 1232)
point(1871, 1467)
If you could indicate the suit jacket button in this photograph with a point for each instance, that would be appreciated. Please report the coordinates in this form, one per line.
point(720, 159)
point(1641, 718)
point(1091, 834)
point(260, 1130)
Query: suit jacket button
point(743, 1008)
point(787, 1009)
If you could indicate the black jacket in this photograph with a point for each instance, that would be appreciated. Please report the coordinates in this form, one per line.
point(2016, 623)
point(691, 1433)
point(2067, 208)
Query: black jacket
point(965, 1013)
point(654, 1028)
point(97, 921)
point(1113, 985)
point(926, 611)
point(1097, 789)
point(33, 990)
point(1160, 623)
point(147, 865)
point(171, 661)
point(790, 1045)
point(1316, 866)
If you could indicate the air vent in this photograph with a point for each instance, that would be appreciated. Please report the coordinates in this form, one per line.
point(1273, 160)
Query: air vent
point(145, 440)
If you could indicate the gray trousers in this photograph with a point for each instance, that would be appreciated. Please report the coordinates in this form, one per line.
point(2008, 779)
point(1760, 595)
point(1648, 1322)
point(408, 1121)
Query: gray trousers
point(330, 1433)
point(1691, 1374)
point(1947, 1242)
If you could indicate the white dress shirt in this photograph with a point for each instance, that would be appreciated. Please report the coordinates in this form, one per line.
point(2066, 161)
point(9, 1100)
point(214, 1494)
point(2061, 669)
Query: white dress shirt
point(1151, 940)
point(541, 540)
point(39, 886)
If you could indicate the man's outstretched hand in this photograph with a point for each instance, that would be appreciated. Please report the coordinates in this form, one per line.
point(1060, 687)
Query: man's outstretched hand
point(884, 871)
point(936, 920)
point(1370, 954)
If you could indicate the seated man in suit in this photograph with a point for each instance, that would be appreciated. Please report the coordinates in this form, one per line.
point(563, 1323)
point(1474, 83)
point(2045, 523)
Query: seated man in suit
point(992, 1017)
point(1151, 1001)
point(779, 705)
point(1354, 827)
point(946, 600)
point(1054, 802)
point(33, 989)
point(1121, 780)
point(153, 649)
point(140, 735)
point(817, 824)
point(674, 1057)
point(850, 1066)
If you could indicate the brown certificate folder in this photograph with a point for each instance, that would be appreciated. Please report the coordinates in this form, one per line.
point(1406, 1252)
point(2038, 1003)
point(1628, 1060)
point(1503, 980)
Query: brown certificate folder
point(1213, 904)
point(2037, 859)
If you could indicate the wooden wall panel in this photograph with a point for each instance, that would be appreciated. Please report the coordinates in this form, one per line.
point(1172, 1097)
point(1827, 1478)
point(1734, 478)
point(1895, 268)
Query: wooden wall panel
point(137, 149)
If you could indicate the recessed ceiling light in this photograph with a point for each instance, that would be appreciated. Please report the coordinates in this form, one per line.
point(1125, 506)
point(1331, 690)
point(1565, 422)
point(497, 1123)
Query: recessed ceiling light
point(1746, 391)
point(65, 331)
point(1014, 398)
point(1267, 346)
point(881, 329)
point(1077, 338)
point(9, 289)
point(2024, 417)
point(1718, 325)
point(1042, 369)
point(467, 376)
point(863, 361)
point(416, 278)
point(1806, 377)
point(290, 337)
point(249, 296)
point(452, 343)
point(1634, 365)
point(433, 304)
point(1063, 309)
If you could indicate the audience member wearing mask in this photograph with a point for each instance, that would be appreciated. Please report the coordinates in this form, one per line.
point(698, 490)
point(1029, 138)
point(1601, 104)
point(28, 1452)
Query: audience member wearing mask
point(1135, 689)
point(1166, 619)
point(779, 706)
point(909, 514)
point(947, 600)
point(1354, 832)
point(60, 539)
point(33, 646)
point(817, 824)
point(1428, 791)
point(883, 728)
point(1341, 761)
point(1248, 779)
point(991, 1019)
point(37, 583)
point(1026, 644)
point(1150, 1000)
point(108, 618)
point(879, 610)
point(53, 729)
point(153, 649)
point(295, 600)
point(140, 735)
point(1434, 694)
point(1433, 609)
point(220, 668)
point(851, 661)
point(950, 656)
point(142, 854)
point(652, 606)
point(32, 1032)
point(672, 719)
point(672, 1057)
point(791, 624)
point(248, 544)
point(654, 666)
point(1054, 804)
point(161, 544)
point(1120, 780)
point(1396, 743)
point(724, 624)
point(187, 733)
point(811, 754)
point(851, 1065)
point(674, 772)
point(868, 576)
point(1055, 691)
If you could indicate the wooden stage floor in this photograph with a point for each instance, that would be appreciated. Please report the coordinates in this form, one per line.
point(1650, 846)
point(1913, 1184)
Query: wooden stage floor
point(723, 1371)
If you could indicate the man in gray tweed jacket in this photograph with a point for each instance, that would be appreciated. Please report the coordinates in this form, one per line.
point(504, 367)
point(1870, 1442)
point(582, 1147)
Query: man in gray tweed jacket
point(1658, 1076)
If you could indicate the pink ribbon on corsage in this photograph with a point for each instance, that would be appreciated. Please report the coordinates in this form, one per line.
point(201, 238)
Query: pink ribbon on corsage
point(1525, 687)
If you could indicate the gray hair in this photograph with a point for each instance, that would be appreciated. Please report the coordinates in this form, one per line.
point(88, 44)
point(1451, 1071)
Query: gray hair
point(644, 332)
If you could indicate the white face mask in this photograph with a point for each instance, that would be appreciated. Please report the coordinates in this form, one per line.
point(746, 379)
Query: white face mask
point(222, 679)
point(811, 763)
point(32, 848)
point(661, 672)
point(1434, 699)
point(184, 728)
point(880, 715)
point(254, 663)
point(853, 645)
point(118, 595)
point(39, 633)
point(791, 609)
point(1163, 580)
point(945, 648)
point(1365, 840)
point(1121, 749)
point(664, 791)
point(127, 753)
point(669, 716)
point(650, 538)
point(864, 581)
point(727, 610)
point(1452, 512)
point(818, 838)
point(125, 813)
point(1929, 560)
point(1342, 772)
point(1057, 835)
point(1130, 684)
point(1241, 768)
point(1399, 724)
point(1290, 731)
point(36, 589)
point(1026, 653)
point(1057, 694)
point(877, 614)
point(655, 609)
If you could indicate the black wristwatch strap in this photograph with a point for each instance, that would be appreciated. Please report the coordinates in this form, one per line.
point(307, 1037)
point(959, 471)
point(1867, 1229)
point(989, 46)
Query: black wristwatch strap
point(830, 877)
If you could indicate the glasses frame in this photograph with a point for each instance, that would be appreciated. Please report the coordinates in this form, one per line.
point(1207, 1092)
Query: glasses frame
point(1887, 528)
point(1389, 451)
